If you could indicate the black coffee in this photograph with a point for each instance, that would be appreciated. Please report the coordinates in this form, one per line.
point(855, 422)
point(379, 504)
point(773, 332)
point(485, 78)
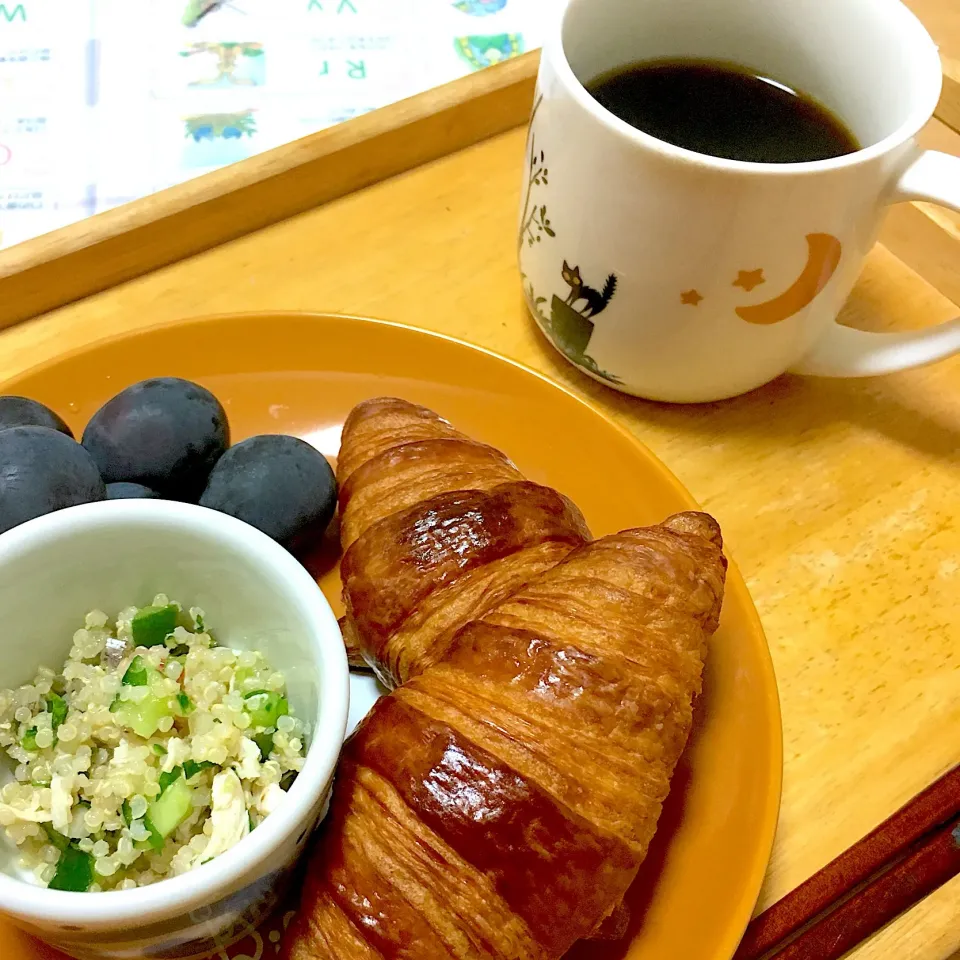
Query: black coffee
point(723, 110)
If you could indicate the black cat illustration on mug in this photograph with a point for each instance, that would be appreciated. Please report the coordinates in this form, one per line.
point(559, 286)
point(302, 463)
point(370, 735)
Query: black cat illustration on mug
point(596, 300)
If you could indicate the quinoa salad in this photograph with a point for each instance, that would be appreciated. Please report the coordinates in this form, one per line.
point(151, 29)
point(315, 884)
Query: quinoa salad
point(151, 751)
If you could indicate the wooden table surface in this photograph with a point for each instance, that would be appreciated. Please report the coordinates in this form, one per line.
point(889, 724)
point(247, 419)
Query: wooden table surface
point(839, 498)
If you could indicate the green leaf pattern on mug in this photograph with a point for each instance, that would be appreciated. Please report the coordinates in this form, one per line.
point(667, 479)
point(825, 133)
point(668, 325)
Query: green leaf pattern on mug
point(569, 325)
point(535, 222)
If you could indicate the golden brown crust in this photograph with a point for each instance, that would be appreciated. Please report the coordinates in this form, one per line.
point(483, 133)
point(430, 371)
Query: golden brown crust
point(521, 778)
point(391, 570)
point(614, 926)
point(410, 473)
point(498, 804)
point(436, 529)
point(376, 425)
point(352, 644)
point(395, 896)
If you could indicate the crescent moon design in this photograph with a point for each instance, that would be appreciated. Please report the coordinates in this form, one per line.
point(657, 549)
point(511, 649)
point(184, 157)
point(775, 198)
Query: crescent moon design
point(822, 260)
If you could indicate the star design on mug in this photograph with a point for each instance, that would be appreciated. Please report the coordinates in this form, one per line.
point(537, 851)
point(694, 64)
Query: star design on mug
point(691, 298)
point(748, 279)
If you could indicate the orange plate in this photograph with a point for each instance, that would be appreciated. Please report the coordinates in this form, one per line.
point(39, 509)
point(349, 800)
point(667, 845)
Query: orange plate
point(301, 374)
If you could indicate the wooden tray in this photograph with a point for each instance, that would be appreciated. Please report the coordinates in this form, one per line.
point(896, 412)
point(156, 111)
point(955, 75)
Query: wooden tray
point(133, 239)
point(839, 498)
point(138, 237)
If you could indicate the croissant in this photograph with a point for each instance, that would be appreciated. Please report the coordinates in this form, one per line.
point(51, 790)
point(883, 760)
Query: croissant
point(500, 801)
point(436, 530)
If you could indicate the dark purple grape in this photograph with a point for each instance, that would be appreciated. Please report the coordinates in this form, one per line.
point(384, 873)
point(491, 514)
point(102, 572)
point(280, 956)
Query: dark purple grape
point(165, 434)
point(130, 491)
point(23, 412)
point(42, 470)
point(280, 485)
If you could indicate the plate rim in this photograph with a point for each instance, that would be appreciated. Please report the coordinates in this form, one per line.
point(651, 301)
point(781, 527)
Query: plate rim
point(212, 318)
point(735, 580)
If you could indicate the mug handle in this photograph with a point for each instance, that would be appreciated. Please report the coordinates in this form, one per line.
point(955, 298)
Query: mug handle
point(845, 352)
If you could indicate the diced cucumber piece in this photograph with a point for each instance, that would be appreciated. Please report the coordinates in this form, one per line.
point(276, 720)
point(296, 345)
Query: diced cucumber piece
point(152, 625)
point(244, 674)
point(138, 673)
point(265, 707)
point(142, 718)
point(74, 871)
point(191, 768)
point(153, 842)
point(171, 808)
point(56, 838)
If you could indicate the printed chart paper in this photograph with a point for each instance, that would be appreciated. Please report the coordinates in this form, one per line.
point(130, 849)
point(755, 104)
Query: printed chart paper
point(106, 101)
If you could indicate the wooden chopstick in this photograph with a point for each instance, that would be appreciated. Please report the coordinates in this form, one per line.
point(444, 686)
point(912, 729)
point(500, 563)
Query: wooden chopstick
point(907, 857)
point(935, 861)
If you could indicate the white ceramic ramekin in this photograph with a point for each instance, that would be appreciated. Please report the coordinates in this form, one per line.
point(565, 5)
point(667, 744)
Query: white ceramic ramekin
point(255, 596)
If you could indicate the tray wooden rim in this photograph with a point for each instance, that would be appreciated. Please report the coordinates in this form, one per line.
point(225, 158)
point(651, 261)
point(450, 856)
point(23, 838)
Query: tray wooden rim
point(136, 238)
point(103, 251)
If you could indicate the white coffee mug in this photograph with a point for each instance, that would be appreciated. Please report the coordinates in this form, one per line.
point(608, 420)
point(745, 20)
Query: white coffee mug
point(682, 277)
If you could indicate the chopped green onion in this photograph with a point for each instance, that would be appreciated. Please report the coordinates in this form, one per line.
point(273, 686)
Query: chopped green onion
point(185, 703)
point(127, 812)
point(265, 707)
point(56, 838)
point(136, 675)
point(58, 711)
point(265, 742)
point(191, 768)
point(29, 741)
point(74, 871)
point(116, 704)
point(156, 838)
point(167, 778)
point(152, 625)
point(159, 749)
point(199, 622)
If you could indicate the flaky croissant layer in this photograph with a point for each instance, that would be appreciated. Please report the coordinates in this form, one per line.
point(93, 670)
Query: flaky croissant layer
point(500, 801)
